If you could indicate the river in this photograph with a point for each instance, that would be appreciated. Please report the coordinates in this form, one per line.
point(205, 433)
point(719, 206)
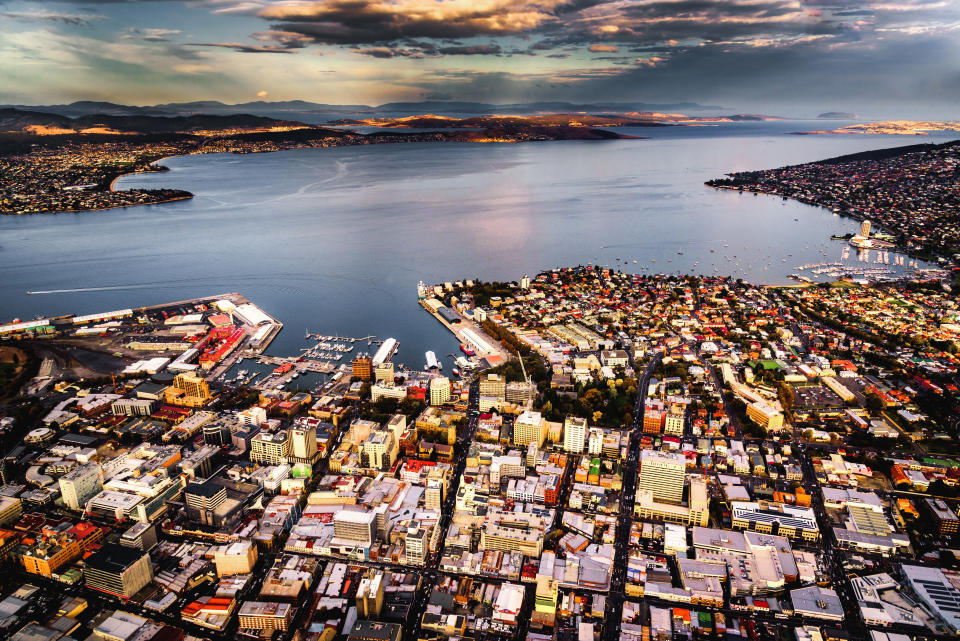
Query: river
point(335, 240)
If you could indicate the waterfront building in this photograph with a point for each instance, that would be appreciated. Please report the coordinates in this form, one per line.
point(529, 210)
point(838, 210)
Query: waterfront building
point(188, 389)
point(362, 367)
point(439, 390)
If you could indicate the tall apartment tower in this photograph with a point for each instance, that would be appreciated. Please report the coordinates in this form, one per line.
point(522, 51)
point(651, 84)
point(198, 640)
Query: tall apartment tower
point(574, 434)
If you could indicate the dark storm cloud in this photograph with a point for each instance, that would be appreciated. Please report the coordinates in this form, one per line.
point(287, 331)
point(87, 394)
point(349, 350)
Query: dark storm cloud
point(359, 22)
point(470, 50)
point(245, 48)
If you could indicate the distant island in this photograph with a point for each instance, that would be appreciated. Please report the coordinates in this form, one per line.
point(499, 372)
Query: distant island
point(630, 119)
point(304, 107)
point(891, 128)
point(54, 163)
point(838, 115)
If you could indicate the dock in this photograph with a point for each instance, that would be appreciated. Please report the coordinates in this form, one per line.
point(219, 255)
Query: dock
point(470, 333)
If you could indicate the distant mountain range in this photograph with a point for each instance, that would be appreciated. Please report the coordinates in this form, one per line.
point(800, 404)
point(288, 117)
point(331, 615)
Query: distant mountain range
point(20, 120)
point(87, 107)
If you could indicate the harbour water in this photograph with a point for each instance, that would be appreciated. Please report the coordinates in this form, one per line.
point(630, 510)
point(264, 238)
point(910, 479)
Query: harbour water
point(335, 240)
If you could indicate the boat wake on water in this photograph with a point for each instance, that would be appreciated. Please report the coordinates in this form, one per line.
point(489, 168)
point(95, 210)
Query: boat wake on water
point(87, 289)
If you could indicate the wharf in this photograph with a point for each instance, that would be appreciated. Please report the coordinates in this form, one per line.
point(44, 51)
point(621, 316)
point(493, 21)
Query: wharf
point(299, 367)
point(490, 347)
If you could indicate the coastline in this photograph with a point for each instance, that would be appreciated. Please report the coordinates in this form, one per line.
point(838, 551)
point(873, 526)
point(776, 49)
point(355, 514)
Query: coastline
point(912, 254)
point(346, 141)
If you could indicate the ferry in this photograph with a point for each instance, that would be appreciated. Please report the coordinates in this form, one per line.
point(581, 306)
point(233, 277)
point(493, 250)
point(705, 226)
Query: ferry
point(469, 351)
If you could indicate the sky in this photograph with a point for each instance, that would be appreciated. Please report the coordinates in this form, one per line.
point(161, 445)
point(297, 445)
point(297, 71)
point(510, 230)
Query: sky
point(889, 58)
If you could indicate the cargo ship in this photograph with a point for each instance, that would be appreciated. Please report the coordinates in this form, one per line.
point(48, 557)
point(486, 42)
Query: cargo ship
point(466, 349)
point(432, 362)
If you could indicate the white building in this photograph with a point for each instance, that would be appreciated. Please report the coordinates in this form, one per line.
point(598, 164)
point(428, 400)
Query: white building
point(574, 434)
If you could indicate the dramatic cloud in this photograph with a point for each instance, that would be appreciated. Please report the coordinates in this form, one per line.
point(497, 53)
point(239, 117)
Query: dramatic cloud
point(244, 48)
point(474, 50)
point(151, 35)
point(51, 16)
point(728, 52)
point(357, 22)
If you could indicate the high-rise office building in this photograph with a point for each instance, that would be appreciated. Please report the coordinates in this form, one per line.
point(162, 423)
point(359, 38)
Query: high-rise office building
point(303, 445)
point(80, 485)
point(271, 449)
point(363, 367)
point(528, 428)
point(141, 536)
point(355, 525)
point(383, 373)
point(117, 570)
point(662, 473)
point(493, 385)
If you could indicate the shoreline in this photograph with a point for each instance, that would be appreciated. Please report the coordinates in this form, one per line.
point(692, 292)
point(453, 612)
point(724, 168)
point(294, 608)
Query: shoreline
point(111, 187)
point(742, 190)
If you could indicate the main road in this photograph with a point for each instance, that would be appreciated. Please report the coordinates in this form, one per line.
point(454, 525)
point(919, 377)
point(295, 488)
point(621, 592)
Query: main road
point(614, 611)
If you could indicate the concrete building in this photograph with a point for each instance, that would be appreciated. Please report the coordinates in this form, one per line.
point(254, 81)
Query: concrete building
point(303, 445)
point(141, 536)
point(238, 557)
point(493, 386)
point(528, 428)
point(265, 615)
point(817, 603)
point(696, 512)
point(439, 390)
point(773, 518)
point(80, 484)
point(369, 597)
point(520, 393)
point(662, 473)
point(119, 571)
point(765, 415)
point(379, 450)
point(270, 448)
point(355, 526)
point(936, 591)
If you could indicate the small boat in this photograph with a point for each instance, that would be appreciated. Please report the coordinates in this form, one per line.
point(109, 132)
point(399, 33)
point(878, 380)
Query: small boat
point(466, 349)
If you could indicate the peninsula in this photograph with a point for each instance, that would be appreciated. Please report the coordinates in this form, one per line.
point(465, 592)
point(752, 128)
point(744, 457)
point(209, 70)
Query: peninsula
point(58, 164)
